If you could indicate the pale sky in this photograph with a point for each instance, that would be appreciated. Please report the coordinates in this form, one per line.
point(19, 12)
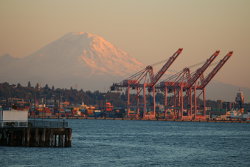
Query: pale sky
point(149, 30)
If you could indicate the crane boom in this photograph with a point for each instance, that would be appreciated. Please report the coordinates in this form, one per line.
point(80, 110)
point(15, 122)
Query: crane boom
point(200, 70)
point(170, 61)
point(215, 70)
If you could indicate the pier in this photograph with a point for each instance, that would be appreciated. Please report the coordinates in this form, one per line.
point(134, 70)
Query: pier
point(36, 133)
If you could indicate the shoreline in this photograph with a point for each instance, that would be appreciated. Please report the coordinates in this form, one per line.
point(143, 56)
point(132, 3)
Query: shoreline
point(141, 119)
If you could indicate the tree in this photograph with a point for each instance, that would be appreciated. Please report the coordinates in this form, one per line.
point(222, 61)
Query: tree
point(46, 87)
point(37, 86)
point(19, 85)
point(29, 84)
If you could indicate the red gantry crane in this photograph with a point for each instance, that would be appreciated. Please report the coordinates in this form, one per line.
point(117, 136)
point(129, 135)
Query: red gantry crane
point(154, 80)
point(209, 77)
point(191, 85)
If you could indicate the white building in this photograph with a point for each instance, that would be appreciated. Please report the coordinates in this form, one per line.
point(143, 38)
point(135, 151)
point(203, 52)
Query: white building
point(16, 117)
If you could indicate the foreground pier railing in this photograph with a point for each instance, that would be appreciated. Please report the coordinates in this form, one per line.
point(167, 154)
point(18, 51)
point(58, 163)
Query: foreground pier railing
point(13, 123)
point(48, 124)
point(35, 123)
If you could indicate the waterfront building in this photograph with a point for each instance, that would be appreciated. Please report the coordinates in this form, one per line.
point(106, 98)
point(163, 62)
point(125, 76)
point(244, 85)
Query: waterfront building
point(13, 117)
point(239, 99)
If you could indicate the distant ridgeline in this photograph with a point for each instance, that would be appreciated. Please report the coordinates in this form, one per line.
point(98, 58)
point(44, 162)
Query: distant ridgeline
point(47, 95)
point(25, 95)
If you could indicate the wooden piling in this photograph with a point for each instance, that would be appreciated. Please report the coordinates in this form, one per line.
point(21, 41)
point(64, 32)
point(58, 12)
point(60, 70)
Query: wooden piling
point(27, 136)
point(37, 137)
point(23, 137)
point(43, 137)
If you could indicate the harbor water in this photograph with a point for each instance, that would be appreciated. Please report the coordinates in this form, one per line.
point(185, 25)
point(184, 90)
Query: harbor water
point(141, 143)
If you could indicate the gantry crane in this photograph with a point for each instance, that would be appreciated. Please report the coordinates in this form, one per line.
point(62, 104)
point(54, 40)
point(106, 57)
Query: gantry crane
point(136, 81)
point(191, 85)
point(155, 79)
point(209, 77)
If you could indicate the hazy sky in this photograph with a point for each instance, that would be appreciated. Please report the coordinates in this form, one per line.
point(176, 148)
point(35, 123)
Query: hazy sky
point(149, 30)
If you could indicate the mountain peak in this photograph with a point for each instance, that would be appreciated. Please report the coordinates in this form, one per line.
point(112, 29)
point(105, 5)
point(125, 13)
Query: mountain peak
point(93, 51)
point(86, 38)
point(83, 35)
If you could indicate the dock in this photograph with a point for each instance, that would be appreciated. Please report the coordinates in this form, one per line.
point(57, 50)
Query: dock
point(36, 133)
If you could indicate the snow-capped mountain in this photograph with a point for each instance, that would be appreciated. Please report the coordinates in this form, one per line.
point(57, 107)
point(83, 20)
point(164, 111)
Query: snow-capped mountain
point(83, 59)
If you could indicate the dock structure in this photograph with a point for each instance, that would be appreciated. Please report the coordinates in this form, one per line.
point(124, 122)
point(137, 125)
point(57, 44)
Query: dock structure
point(36, 134)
